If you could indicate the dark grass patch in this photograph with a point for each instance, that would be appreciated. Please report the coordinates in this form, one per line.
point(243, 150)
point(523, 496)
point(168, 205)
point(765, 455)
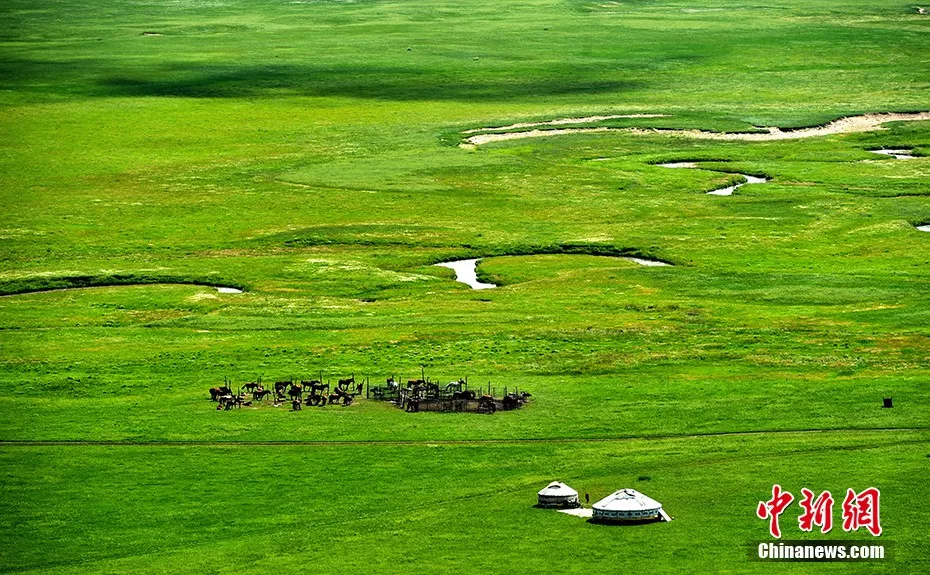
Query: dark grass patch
point(388, 82)
point(43, 284)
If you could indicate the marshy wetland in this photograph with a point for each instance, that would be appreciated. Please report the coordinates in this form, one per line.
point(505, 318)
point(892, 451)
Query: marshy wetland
point(323, 156)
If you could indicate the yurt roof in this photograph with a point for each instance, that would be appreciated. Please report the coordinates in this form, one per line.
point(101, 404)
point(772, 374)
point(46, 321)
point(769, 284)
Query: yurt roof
point(556, 488)
point(627, 500)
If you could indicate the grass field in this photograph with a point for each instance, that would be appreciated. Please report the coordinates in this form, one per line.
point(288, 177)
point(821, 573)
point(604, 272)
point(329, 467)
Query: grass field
point(308, 153)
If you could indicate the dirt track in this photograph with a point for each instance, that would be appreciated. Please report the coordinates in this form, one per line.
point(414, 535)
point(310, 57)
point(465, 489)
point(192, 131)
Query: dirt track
point(428, 442)
point(563, 121)
point(864, 123)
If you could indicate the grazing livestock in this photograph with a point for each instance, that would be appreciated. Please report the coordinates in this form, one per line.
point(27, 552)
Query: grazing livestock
point(281, 386)
point(515, 400)
point(486, 404)
point(217, 392)
point(419, 394)
point(314, 385)
point(338, 394)
point(227, 402)
point(315, 398)
point(317, 386)
point(454, 386)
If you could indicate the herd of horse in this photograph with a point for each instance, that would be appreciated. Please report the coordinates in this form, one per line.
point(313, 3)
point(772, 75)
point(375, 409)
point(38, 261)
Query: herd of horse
point(418, 391)
point(312, 392)
point(417, 394)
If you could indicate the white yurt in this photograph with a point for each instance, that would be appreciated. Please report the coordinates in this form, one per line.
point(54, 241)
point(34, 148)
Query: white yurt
point(558, 494)
point(628, 505)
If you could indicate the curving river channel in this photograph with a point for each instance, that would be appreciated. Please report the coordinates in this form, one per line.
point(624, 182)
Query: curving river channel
point(466, 270)
point(727, 191)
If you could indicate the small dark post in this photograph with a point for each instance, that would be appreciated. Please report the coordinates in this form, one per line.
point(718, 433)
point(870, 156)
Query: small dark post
point(886, 402)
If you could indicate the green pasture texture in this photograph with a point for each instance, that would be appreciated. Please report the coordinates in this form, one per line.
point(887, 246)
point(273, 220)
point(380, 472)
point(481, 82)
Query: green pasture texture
point(307, 152)
point(469, 508)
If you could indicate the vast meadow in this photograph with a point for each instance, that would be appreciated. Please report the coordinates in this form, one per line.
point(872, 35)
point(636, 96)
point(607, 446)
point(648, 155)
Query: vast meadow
point(315, 156)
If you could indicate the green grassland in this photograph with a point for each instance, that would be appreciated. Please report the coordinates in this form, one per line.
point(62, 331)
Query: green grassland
point(307, 152)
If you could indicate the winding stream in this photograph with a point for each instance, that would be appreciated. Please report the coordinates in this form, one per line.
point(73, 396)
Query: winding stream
point(727, 191)
point(466, 272)
point(894, 153)
point(645, 262)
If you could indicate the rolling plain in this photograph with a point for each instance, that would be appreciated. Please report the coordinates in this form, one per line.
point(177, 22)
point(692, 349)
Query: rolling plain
point(311, 154)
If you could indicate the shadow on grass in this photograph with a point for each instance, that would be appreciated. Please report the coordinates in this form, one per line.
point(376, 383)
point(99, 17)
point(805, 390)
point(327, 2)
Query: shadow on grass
point(95, 78)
